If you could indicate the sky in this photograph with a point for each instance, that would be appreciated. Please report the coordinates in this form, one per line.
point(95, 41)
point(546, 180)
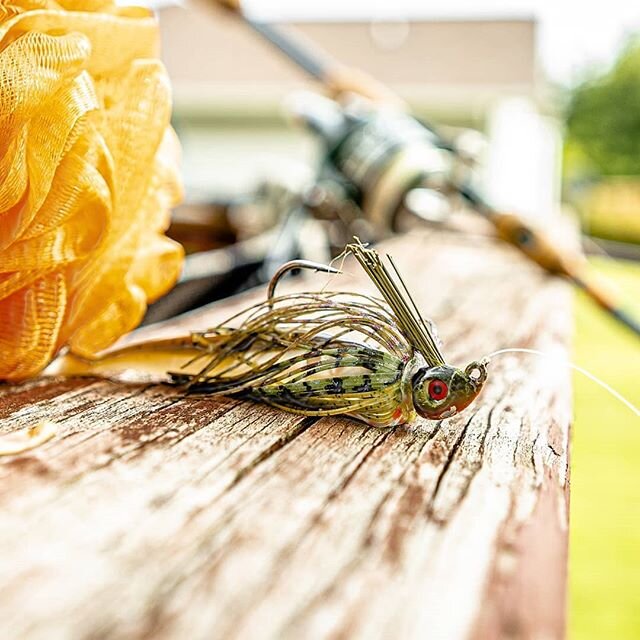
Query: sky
point(572, 34)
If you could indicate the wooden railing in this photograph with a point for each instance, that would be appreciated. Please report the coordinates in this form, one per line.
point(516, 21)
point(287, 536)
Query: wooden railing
point(154, 515)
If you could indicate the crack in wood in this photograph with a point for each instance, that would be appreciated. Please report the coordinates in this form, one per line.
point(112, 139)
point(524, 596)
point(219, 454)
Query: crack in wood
point(349, 471)
point(366, 545)
point(278, 445)
point(447, 463)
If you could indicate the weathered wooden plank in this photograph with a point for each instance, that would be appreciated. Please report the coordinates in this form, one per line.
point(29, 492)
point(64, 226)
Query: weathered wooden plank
point(155, 515)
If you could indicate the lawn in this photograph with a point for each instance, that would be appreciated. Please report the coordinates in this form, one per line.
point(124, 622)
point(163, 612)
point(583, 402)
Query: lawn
point(604, 563)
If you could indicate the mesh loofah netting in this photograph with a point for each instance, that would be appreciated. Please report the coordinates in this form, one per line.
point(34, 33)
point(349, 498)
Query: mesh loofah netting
point(87, 177)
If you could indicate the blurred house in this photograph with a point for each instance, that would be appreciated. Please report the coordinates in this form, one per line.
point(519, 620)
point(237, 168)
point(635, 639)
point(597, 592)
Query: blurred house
point(229, 85)
point(458, 67)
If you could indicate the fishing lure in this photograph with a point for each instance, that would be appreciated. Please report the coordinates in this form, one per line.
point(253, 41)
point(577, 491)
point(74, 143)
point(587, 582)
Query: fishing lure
point(319, 354)
point(314, 354)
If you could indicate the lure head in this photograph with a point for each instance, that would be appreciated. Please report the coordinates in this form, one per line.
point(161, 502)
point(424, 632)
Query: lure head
point(442, 391)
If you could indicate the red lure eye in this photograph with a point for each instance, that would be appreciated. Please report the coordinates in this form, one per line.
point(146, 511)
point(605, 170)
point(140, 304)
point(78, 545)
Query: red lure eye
point(438, 390)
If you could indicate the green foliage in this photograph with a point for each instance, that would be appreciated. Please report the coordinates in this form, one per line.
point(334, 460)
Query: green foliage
point(603, 117)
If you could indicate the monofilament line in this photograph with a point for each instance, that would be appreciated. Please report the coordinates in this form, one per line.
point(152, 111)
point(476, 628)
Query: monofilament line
point(577, 368)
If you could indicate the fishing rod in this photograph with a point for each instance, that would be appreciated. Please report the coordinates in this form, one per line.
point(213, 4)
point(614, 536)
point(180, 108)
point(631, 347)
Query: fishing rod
point(337, 78)
point(386, 154)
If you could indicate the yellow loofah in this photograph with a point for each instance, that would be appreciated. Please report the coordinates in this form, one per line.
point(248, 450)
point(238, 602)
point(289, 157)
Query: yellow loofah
point(88, 173)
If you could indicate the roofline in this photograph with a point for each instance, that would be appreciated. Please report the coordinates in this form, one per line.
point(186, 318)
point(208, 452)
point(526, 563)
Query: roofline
point(415, 16)
point(292, 18)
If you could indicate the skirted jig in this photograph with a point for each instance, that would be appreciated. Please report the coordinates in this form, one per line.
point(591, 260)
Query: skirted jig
point(316, 354)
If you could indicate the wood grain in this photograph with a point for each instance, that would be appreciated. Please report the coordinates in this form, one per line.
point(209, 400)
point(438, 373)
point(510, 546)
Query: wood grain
point(152, 515)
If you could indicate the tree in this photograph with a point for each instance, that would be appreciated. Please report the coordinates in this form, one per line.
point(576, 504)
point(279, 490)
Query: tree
point(603, 117)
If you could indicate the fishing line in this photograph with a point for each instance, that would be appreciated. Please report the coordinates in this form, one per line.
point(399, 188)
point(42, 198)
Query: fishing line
point(577, 368)
point(342, 257)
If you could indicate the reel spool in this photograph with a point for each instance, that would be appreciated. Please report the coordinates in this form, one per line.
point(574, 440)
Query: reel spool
point(386, 161)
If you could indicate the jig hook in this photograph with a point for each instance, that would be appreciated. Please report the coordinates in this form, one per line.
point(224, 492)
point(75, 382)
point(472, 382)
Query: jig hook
point(296, 264)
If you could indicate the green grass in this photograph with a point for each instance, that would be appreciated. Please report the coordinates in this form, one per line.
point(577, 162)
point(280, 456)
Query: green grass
point(604, 566)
